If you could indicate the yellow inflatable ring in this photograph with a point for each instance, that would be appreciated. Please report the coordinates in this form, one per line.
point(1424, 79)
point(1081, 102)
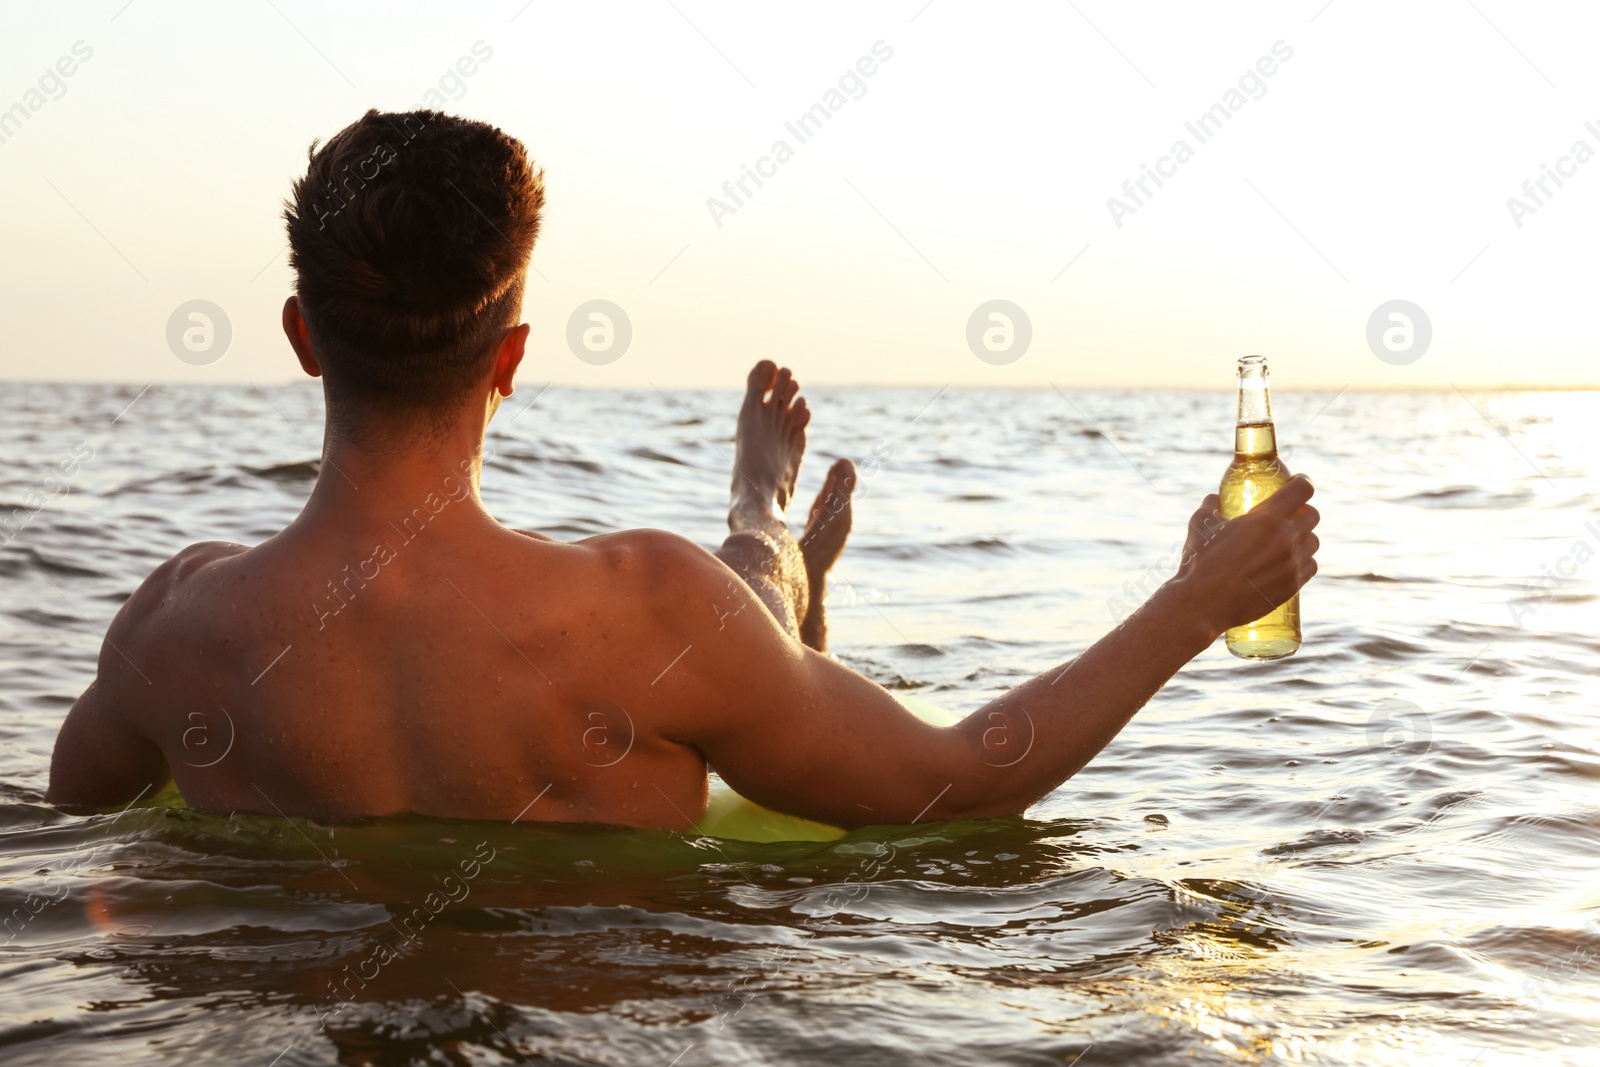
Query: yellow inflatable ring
point(732, 816)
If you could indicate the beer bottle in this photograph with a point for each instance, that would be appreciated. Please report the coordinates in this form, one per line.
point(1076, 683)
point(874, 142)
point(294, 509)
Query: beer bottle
point(1255, 474)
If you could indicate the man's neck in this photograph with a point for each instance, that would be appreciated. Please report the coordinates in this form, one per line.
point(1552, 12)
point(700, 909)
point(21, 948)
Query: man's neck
point(366, 478)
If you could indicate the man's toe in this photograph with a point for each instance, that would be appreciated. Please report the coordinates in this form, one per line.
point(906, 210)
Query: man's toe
point(761, 376)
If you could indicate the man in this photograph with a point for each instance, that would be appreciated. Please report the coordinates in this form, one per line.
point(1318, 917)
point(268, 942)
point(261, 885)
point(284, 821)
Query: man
point(395, 649)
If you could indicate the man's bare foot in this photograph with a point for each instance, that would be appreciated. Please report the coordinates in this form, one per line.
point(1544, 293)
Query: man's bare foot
point(788, 575)
point(828, 525)
point(770, 441)
point(827, 529)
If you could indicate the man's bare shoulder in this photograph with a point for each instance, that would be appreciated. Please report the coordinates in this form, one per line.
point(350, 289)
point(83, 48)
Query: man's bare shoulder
point(178, 571)
point(139, 647)
point(107, 748)
point(660, 561)
point(201, 553)
point(627, 547)
point(152, 602)
point(666, 577)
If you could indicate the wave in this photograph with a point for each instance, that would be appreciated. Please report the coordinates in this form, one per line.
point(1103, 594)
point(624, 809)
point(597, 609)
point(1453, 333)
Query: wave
point(305, 470)
point(656, 457)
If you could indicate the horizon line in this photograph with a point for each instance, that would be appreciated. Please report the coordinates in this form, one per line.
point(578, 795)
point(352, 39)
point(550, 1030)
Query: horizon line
point(1508, 387)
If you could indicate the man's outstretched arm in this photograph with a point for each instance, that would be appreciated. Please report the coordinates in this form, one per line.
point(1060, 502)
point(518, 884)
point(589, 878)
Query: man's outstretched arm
point(795, 731)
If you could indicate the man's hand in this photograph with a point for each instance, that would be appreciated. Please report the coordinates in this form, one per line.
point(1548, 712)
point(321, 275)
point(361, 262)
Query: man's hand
point(1242, 568)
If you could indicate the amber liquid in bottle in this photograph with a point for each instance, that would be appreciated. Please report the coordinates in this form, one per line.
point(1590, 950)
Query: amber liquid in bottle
point(1255, 474)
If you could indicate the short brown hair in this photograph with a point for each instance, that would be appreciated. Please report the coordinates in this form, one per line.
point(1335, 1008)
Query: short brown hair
point(409, 236)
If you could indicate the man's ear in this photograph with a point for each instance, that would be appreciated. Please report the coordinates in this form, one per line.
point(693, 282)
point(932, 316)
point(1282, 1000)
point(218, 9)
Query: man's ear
point(294, 328)
point(509, 357)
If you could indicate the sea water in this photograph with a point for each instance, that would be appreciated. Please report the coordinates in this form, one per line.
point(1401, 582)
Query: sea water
point(1383, 850)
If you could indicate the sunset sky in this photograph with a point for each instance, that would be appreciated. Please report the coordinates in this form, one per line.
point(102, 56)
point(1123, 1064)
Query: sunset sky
point(973, 163)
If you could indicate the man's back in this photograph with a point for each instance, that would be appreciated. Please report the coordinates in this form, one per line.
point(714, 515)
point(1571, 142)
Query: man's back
point(454, 669)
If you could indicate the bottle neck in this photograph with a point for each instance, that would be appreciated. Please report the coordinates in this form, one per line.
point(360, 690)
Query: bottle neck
point(1254, 435)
